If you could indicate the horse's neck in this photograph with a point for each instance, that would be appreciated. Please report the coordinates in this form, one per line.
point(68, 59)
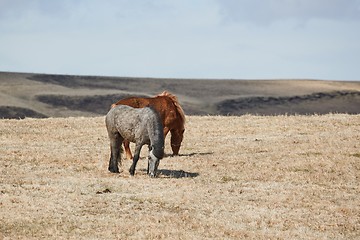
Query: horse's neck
point(156, 133)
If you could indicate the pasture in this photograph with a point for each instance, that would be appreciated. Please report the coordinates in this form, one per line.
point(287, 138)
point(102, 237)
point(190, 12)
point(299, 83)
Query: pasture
point(248, 177)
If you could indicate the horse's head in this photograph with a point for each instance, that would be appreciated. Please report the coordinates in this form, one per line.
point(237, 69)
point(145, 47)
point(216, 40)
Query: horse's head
point(177, 136)
point(153, 161)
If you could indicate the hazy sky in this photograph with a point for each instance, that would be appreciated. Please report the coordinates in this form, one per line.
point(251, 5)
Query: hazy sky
point(233, 39)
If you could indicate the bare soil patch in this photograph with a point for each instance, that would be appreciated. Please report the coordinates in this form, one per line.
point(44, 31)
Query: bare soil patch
point(255, 177)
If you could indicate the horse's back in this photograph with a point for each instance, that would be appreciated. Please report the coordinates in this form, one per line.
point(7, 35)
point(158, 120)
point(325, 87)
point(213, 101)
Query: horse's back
point(124, 120)
point(162, 104)
point(131, 122)
point(135, 102)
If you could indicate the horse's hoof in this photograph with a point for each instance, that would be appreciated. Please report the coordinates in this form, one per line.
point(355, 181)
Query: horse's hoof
point(113, 170)
point(132, 173)
point(152, 175)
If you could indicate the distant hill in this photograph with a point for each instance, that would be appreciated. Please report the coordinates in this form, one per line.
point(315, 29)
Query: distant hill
point(49, 95)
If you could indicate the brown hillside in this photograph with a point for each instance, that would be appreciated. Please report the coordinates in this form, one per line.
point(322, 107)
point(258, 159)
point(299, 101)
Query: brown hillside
point(30, 95)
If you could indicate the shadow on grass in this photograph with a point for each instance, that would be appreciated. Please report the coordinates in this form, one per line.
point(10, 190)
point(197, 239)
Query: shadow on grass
point(177, 173)
point(166, 173)
point(189, 154)
point(181, 173)
point(196, 154)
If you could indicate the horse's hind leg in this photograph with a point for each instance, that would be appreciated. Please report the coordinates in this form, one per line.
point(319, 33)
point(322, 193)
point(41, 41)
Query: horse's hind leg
point(166, 131)
point(115, 158)
point(127, 149)
point(136, 159)
point(147, 171)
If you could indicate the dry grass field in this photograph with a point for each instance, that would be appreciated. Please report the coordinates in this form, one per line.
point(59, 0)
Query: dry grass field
point(248, 177)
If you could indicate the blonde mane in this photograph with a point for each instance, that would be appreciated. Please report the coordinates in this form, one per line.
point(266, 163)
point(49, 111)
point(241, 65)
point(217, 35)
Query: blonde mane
point(176, 103)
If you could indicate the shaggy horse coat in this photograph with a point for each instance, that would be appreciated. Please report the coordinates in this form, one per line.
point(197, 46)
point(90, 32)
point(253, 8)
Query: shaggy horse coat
point(138, 125)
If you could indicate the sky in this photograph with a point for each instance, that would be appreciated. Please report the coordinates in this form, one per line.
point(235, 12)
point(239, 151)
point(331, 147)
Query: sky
point(218, 39)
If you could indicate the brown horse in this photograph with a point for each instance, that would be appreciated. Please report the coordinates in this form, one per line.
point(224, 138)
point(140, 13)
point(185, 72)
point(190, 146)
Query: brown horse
point(170, 112)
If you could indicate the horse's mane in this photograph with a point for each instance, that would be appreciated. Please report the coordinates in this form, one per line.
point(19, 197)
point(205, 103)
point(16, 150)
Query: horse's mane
point(176, 103)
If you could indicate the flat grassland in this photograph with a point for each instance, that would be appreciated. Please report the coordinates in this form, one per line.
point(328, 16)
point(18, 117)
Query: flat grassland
point(254, 177)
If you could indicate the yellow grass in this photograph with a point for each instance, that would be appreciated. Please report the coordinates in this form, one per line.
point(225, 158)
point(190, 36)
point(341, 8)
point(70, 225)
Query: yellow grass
point(281, 177)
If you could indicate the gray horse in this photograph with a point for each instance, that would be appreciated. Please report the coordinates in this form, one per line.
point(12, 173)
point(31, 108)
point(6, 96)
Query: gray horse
point(138, 125)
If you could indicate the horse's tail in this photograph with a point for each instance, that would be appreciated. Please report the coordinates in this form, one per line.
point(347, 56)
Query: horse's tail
point(176, 103)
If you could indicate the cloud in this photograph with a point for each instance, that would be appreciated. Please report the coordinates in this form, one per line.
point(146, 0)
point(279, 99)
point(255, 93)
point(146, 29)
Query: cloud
point(269, 11)
point(183, 38)
point(13, 9)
